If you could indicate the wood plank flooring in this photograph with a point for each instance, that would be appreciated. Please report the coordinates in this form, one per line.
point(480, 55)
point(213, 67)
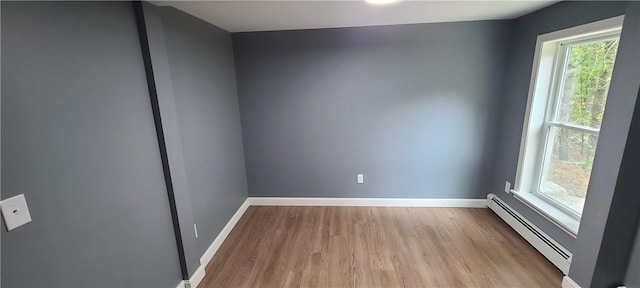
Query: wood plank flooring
point(376, 247)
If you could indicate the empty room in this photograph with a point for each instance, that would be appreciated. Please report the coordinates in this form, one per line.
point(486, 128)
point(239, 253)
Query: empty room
point(361, 143)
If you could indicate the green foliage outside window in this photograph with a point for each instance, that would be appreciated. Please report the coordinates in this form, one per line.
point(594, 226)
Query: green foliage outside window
point(582, 97)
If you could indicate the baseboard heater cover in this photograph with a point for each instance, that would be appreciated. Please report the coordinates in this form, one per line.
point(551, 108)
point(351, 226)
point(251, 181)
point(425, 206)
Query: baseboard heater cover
point(549, 248)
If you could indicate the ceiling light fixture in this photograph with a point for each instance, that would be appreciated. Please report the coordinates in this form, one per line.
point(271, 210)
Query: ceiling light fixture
point(380, 2)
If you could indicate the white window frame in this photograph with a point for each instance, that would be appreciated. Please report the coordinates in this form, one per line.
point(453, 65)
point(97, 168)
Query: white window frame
point(549, 59)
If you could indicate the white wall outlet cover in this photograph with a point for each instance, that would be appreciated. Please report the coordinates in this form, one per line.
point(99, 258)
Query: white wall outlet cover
point(360, 178)
point(507, 187)
point(15, 212)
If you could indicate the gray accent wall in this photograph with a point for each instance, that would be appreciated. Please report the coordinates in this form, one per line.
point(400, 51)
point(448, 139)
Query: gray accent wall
point(201, 66)
point(612, 207)
point(413, 107)
point(513, 104)
point(632, 279)
point(159, 63)
point(423, 110)
point(78, 139)
point(194, 70)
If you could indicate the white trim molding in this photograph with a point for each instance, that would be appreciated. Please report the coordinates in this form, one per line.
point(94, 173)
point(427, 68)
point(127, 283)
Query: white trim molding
point(215, 245)
point(197, 276)
point(554, 215)
point(374, 202)
point(539, 88)
point(569, 283)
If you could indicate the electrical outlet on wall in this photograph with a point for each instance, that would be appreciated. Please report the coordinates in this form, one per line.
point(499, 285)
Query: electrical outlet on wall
point(360, 178)
point(15, 212)
point(507, 187)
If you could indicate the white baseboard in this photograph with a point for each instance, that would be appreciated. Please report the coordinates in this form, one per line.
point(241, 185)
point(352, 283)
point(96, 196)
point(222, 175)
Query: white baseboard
point(182, 284)
point(378, 202)
point(215, 245)
point(569, 283)
point(197, 276)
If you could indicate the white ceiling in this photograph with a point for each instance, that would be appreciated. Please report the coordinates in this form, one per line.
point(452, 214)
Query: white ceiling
point(243, 16)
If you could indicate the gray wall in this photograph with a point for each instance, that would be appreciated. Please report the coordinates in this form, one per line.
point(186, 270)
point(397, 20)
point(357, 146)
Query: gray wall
point(194, 73)
point(612, 206)
point(158, 63)
point(201, 65)
point(607, 265)
point(78, 134)
point(632, 279)
point(513, 105)
point(423, 110)
point(410, 106)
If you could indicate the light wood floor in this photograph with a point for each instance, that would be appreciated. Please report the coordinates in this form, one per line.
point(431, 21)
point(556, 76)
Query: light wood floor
point(376, 247)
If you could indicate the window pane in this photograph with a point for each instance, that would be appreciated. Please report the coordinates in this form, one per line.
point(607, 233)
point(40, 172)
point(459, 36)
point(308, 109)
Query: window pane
point(585, 84)
point(567, 166)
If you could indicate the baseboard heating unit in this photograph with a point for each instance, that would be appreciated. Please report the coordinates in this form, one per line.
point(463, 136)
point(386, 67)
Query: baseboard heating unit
point(558, 255)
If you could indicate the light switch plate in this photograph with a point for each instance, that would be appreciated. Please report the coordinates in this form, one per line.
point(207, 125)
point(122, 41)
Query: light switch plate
point(360, 178)
point(15, 211)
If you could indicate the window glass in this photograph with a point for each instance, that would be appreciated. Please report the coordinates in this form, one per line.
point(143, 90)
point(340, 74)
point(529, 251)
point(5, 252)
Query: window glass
point(567, 169)
point(573, 128)
point(585, 82)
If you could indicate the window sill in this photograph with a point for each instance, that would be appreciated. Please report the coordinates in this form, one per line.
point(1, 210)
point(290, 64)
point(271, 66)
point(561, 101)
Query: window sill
point(558, 217)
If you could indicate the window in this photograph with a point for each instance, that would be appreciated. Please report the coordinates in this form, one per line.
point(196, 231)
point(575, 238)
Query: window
point(568, 93)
